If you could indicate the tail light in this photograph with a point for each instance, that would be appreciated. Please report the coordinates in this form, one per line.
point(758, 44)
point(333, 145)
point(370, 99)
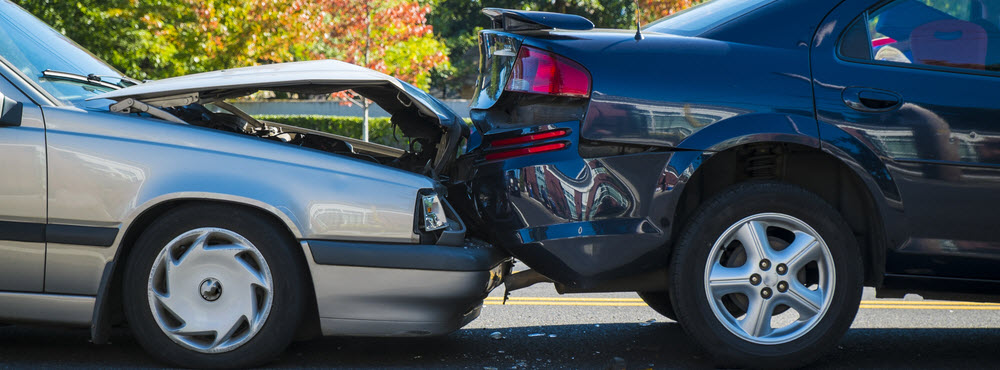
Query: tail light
point(527, 139)
point(542, 72)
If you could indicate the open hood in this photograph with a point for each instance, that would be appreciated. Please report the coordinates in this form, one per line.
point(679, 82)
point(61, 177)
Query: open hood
point(417, 114)
point(314, 76)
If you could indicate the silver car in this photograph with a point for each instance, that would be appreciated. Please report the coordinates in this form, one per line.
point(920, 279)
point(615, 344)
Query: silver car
point(216, 236)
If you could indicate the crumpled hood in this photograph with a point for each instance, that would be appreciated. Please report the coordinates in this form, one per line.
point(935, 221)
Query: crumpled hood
point(228, 83)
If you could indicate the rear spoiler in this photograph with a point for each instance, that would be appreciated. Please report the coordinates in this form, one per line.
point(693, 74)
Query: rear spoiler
point(523, 20)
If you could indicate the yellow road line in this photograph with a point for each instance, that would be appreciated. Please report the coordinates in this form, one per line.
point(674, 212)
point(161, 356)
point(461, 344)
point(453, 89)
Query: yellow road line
point(629, 304)
point(931, 303)
point(635, 302)
point(908, 307)
point(562, 303)
point(581, 299)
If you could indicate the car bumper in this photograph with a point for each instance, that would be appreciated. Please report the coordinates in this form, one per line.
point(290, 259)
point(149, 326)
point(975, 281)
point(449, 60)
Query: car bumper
point(393, 290)
point(582, 222)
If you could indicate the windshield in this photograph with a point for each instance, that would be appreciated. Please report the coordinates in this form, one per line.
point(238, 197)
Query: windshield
point(31, 47)
point(701, 18)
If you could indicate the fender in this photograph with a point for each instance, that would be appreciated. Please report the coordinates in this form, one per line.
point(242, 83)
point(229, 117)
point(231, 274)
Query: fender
point(872, 171)
point(689, 155)
point(865, 164)
point(754, 128)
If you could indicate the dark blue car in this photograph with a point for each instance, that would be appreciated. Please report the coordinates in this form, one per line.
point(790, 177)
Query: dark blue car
point(747, 166)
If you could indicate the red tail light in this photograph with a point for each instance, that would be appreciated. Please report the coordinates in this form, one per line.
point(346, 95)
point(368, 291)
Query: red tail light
point(542, 72)
point(525, 151)
point(526, 139)
point(529, 138)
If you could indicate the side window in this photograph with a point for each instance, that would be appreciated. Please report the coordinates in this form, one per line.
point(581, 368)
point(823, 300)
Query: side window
point(937, 33)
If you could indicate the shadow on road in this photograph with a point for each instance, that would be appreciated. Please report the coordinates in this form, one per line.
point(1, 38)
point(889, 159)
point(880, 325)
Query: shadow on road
point(660, 345)
point(916, 348)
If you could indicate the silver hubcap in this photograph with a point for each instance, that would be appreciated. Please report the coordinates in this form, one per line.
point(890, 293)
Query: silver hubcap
point(770, 278)
point(186, 293)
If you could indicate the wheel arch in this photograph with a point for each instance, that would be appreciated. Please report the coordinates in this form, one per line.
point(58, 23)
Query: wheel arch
point(851, 192)
point(108, 304)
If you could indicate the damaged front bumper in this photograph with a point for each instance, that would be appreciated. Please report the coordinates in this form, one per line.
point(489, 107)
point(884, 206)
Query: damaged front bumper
point(372, 289)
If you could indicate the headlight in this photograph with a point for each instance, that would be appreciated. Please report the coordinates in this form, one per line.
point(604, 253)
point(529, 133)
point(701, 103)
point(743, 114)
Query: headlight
point(433, 212)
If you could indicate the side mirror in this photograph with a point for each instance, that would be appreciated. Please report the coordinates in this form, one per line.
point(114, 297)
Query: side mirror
point(10, 111)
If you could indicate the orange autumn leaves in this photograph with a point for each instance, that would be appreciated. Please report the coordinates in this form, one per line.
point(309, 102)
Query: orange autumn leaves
point(390, 36)
point(655, 9)
point(399, 41)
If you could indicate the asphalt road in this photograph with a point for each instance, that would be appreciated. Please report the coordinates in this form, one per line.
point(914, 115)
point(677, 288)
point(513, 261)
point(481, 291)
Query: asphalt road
point(541, 329)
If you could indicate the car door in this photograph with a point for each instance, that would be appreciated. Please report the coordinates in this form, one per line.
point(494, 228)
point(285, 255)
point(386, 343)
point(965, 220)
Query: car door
point(22, 192)
point(917, 81)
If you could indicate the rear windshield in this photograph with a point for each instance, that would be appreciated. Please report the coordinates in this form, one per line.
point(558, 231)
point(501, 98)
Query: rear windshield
point(701, 18)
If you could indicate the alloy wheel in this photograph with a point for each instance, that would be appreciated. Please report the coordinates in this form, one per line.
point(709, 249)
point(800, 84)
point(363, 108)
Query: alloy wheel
point(770, 278)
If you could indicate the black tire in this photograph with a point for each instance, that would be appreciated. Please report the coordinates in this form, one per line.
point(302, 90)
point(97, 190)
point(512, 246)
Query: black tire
point(688, 276)
point(659, 302)
point(283, 257)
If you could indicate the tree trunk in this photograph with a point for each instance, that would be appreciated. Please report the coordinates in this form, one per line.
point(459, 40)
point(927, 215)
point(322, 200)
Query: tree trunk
point(365, 124)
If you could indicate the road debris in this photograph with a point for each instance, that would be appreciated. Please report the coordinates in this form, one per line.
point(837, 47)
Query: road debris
point(618, 363)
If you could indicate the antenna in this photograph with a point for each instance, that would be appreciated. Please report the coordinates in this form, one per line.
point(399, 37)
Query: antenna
point(638, 25)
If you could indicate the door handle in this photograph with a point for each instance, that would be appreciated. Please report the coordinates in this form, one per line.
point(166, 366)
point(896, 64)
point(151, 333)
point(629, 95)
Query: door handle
point(871, 100)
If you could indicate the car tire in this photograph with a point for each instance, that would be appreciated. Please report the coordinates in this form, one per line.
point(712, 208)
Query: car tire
point(659, 302)
point(214, 286)
point(808, 245)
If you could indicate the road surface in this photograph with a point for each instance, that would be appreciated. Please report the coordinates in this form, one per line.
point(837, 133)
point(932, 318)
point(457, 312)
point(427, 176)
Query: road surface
point(541, 329)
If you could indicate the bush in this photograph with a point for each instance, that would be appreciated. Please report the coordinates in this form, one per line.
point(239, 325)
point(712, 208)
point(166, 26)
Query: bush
point(379, 129)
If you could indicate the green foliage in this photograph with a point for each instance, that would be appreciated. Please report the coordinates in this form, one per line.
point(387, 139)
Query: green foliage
point(380, 129)
point(410, 39)
point(166, 38)
point(111, 30)
point(390, 36)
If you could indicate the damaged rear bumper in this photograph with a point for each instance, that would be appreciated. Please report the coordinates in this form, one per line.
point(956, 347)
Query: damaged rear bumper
point(373, 289)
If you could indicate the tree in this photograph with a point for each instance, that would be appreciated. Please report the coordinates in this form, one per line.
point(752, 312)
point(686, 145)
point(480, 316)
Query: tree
point(204, 35)
point(652, 10)
point(164, 38)
point(389, 36)
point(110, 29)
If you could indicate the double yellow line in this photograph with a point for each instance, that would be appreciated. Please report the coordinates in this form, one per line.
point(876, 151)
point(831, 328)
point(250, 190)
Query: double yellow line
point(636, 302)
point(930, 305)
